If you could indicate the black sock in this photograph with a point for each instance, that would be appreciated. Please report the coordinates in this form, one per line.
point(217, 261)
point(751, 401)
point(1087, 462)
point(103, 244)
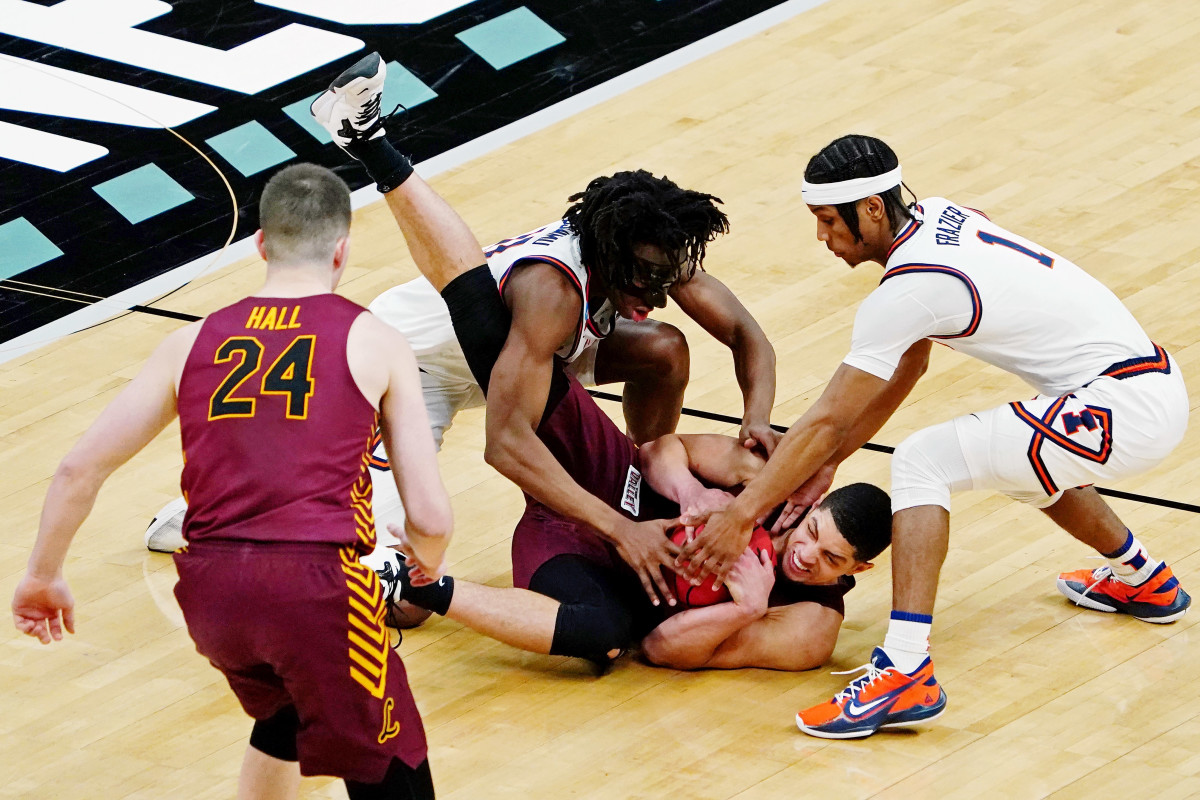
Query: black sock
point(386, 165)
point(435, 597)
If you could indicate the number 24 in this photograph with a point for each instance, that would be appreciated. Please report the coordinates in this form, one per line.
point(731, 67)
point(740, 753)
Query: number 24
point(290, 375)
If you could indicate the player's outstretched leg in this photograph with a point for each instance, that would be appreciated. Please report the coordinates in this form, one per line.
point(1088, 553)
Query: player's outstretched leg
point(884, 697)
point(441, 243)
point(1133, 582)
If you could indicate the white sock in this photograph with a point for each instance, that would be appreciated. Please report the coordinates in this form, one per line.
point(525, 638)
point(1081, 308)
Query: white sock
point(1132, 564)
point(907, 640)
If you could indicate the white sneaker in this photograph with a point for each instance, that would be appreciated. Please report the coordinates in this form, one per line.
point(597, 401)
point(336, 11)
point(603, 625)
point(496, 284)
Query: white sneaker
point(349, 108)
point(165, 533)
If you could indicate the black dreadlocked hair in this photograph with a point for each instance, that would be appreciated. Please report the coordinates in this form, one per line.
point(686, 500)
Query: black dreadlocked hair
point(616, 213)
point(857, 156)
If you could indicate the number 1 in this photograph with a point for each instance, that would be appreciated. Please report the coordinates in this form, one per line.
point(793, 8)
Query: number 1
point(1041, 258)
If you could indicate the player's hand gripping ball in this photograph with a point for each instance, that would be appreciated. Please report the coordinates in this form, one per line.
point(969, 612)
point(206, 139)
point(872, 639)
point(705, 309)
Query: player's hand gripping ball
point(690, 596)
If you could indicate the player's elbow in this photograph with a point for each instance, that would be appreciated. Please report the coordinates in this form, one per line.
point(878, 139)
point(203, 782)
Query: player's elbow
point(76, 470)
point(501, 451)
point(659, 651)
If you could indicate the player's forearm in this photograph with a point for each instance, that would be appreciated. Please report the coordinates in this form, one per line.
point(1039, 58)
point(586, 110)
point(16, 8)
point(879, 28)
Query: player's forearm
point(428, 530)
point(772, 642)
point(69, 499)
point(666, 467)
point(689, 639)
point(803, 450)
point(912, 366)
point(516, 452)
point(754, 366)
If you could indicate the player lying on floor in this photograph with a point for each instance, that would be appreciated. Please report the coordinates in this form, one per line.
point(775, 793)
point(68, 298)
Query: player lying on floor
point(575, 596)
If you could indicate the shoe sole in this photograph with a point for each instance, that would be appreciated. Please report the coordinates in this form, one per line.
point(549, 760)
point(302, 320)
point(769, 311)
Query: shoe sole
point(865, 733)
point(1080, 599)
point(170, 510)
point(366, 67)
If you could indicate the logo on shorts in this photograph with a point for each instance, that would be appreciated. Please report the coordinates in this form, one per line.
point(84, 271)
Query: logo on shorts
point(390, 728)
point(631, 498)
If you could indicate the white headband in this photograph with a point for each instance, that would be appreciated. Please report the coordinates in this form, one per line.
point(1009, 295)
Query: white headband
point(830, 194)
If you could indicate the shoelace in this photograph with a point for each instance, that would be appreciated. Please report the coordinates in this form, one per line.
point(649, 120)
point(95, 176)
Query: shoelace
point(872, 673)
point(1099, 576)
point(389, 579)
point(371, 109)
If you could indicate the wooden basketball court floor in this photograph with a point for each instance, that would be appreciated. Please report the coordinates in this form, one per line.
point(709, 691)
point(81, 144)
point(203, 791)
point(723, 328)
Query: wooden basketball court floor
point(1076, 124)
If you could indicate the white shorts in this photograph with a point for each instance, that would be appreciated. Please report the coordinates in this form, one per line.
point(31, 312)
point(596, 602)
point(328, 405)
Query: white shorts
point(1110, 429)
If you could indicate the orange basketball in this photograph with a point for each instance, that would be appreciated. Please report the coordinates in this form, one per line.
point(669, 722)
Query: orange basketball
point(690, 596)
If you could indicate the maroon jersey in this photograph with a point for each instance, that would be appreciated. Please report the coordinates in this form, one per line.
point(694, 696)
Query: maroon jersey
point(274, 429)
point(601, 459)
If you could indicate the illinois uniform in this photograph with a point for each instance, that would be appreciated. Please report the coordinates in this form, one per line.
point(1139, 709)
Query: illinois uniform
point(275, 436)
point(419, 312)
point(1111, 403)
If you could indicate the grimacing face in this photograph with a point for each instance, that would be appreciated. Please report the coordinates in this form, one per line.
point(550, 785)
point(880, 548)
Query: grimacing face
point(815, 551)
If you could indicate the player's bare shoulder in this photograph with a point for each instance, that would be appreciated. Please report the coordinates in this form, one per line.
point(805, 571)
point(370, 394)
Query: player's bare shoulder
point(174, 350)
point(375, 352)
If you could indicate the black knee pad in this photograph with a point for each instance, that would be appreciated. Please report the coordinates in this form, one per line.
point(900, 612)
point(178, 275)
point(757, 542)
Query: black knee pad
point(276, 736)
point(591, 631)
point(401, 783)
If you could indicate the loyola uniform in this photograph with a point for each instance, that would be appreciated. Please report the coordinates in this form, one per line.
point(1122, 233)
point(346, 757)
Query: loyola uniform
point(275, 435)
point(1111, 403)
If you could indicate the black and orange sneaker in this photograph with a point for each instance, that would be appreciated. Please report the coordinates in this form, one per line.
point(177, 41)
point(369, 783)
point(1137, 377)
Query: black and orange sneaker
point(1159, 599)
point(884, 697)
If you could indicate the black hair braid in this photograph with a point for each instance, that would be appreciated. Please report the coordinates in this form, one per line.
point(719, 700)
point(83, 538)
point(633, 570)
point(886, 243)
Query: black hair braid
point(857, 156)
point(614, 214)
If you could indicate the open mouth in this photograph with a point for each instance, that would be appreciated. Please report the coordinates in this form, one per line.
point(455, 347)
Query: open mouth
point(799, 569)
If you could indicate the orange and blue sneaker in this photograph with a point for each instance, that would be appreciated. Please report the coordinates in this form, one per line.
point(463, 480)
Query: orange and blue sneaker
point(1159, 599)
point(884, 697)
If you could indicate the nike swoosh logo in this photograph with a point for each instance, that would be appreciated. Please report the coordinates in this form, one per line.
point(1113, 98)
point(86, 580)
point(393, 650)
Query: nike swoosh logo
point(858, 711)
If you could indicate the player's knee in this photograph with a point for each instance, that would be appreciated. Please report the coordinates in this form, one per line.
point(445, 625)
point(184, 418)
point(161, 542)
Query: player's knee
point(276, 735)
point(593, 632)
point(927, 468)
point(666, 354)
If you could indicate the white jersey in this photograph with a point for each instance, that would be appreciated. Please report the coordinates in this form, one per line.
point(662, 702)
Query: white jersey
point(954, 276)
point(419, 312)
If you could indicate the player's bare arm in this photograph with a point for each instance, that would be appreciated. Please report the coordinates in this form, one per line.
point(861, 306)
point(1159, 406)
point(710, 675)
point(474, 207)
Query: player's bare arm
point(137, 415)
point(716, 309)
point(393, 386)
point(545, 308)
point(912, 366)
point(745, 632)
point(819, 434)
point(675, 464)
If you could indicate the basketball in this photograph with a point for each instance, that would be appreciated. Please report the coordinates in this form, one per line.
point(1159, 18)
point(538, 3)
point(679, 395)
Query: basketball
point(404, 615)
point(690, 596)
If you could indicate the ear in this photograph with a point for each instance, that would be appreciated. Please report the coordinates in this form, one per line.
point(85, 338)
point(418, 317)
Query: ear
point(861, 566)
point(341, 257)
point(341, 252)
point(259, 245)
point(873, 208)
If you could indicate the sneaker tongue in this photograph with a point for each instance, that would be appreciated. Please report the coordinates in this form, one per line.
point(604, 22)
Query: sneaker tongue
point(880, 659)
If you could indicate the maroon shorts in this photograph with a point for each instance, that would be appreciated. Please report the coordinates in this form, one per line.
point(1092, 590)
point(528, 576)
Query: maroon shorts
point(542, 534)
point(301, 624)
